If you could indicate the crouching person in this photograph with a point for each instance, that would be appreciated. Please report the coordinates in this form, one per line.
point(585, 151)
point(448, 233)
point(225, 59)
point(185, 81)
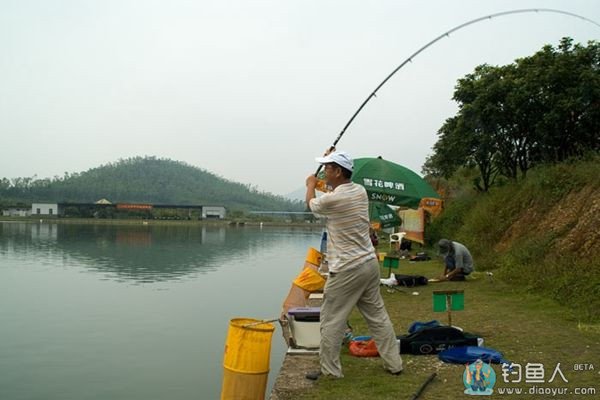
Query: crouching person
point(458, 261)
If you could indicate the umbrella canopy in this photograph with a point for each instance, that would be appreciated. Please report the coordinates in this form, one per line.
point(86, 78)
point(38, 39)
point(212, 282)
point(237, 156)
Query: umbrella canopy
point(391, 183)
point(383, 215)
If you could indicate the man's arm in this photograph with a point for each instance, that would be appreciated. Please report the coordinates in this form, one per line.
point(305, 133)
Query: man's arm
point(311, 183)
point(449, 275)
point(459, 265)
point(459, 258)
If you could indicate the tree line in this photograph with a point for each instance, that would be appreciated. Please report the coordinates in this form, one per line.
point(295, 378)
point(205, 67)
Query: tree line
point(144, 180)
point(540, 109)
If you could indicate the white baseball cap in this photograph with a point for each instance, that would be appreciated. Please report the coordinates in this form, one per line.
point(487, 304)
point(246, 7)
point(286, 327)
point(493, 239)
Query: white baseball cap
point(341, 158)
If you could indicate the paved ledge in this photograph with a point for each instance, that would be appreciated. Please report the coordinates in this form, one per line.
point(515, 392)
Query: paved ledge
point(290, 382)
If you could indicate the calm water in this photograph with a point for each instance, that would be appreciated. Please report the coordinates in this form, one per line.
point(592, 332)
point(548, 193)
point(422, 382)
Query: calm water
point(134, 312)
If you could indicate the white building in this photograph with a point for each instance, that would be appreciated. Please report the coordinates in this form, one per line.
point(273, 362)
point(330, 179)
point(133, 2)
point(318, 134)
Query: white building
point(44, 209)
point(213, 212)
point(16, 212)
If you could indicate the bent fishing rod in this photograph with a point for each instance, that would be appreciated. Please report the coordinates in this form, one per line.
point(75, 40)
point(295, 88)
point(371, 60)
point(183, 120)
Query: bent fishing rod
point(443, 35)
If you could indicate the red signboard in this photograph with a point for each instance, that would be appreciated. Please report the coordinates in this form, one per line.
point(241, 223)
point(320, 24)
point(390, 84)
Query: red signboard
point(138, 207)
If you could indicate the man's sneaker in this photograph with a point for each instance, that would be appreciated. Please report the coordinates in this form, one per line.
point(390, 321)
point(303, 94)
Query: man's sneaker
point(313, 376)
point(395, 373)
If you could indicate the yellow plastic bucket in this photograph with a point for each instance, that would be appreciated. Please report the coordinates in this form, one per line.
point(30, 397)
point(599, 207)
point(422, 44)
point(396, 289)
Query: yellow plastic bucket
point(314, 256)
point(246, 359)
point(382, 256)
point(310, 280)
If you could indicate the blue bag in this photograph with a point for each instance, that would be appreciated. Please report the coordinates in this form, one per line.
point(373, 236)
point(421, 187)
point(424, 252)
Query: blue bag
point(418, 325)
point(470, 354)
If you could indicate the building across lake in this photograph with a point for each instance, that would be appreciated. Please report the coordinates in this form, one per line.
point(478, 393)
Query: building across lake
point(16, 212)
point(106, 209)
point(44, 209)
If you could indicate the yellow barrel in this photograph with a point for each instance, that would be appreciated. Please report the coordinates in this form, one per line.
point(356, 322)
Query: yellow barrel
point(309, 280)
point(246, 360)
point(314, 256)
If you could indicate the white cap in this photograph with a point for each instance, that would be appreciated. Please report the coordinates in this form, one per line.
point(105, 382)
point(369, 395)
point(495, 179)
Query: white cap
point(341, 158)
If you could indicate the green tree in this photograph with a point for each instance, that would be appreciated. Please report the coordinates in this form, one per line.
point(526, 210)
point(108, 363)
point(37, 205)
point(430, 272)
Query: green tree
point(543, 108)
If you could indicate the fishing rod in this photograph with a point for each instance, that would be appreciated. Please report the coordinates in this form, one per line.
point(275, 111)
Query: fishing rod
point(443, 35)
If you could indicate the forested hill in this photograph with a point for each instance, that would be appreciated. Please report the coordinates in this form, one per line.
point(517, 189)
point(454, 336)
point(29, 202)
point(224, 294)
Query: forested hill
point(145, 180)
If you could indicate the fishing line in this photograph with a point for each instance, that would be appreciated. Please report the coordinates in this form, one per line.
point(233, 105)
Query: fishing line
point(443, 35)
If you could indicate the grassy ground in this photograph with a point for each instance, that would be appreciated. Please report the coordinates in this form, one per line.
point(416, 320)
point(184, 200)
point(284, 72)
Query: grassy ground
point(526, 328)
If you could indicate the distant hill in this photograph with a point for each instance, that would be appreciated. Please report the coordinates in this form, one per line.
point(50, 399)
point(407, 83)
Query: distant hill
point(297, 195)
point(145, 180)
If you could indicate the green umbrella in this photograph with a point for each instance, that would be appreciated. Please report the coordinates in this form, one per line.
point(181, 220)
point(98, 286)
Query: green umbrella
point(384, 215)
point(391, 183)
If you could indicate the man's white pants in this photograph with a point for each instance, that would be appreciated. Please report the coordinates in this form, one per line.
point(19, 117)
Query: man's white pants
point(358, 287)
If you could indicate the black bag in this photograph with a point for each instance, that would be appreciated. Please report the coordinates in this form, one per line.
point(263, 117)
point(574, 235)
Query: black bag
point(435, 339)
point(411, 280)
point(422, 256)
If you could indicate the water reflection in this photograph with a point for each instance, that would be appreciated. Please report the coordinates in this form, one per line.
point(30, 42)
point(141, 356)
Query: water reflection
point(44, 232)
point(141, 253)
point(77, 312)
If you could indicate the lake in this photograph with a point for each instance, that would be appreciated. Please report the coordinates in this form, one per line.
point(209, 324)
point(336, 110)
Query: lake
point(135, 312)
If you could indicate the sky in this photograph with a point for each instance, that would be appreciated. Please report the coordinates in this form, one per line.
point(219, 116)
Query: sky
point(252, 91)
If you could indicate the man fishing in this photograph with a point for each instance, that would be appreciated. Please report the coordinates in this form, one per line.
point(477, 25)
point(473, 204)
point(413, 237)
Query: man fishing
point(353, 267)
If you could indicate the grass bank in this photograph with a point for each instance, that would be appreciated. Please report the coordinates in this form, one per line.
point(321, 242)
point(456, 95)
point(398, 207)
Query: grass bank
point(524, 326)
point(541, 233)
point(540, 240)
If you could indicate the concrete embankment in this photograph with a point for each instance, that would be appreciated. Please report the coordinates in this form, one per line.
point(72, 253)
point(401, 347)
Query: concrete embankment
point(291, 380)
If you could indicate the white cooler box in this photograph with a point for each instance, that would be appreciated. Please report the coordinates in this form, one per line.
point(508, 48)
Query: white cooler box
point(305, 326)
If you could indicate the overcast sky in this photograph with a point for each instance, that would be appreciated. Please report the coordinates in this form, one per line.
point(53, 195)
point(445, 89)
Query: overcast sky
point(249, 90)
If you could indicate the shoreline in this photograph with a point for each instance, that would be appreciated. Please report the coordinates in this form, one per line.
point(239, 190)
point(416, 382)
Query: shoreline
point(150, 222)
